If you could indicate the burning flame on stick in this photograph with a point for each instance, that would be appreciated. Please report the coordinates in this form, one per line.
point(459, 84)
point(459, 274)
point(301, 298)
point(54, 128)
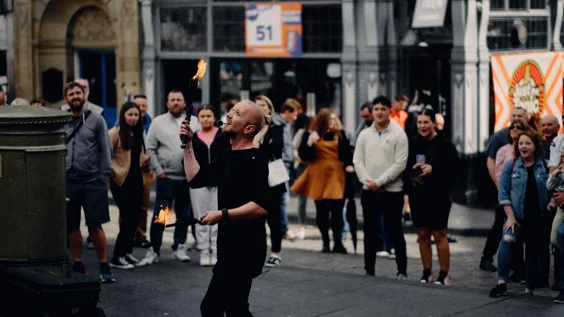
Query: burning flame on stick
point(163, 214)
point(202, 65)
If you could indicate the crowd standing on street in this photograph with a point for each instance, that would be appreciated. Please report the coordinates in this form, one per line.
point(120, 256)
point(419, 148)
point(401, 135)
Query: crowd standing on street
point(236, 179)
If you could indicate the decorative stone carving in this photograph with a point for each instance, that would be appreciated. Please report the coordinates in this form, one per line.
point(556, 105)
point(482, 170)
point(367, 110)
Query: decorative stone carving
point(91, 25)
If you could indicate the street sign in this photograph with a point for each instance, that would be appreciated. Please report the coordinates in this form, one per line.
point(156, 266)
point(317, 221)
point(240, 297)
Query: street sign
point(273, 29)
point(429, 13)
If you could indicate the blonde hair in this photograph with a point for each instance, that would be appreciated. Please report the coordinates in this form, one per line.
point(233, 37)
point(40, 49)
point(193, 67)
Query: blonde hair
point(270, 107)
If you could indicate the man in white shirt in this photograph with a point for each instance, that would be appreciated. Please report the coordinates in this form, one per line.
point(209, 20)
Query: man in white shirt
point(380, 158)
point(164, 148)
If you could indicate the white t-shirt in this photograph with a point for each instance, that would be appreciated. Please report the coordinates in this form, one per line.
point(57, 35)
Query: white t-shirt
point(556, 148)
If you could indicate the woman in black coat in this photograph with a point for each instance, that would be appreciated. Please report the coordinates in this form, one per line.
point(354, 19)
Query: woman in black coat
point(432, 166)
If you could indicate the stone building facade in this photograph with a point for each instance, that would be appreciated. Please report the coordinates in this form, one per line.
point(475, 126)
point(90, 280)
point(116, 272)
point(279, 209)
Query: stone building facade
point(56, 41)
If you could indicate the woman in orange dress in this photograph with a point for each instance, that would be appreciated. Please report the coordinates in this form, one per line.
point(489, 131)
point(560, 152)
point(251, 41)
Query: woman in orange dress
point(326, 149)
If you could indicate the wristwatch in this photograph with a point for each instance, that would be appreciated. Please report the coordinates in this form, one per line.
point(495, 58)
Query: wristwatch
point(224, 215)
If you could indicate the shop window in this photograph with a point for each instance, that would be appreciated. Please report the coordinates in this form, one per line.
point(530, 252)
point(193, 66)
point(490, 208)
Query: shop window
point(322, 28)
point(513, 34)
point(183, 29)
point(229, 29)
point(517, 5)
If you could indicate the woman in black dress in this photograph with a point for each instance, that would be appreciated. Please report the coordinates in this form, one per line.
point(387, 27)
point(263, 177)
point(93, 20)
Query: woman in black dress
point(432, 166)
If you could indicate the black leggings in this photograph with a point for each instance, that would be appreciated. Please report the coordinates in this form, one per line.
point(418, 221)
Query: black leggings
point(129, 198)
point(325, 207)
point(273, 220)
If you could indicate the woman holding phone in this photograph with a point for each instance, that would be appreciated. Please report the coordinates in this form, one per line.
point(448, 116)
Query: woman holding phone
point(433, 164)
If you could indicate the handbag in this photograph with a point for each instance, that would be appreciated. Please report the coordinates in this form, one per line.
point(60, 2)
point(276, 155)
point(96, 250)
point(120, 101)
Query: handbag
point(277, 173)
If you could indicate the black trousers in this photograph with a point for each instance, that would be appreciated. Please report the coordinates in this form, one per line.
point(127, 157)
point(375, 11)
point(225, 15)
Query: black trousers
point(129, 198)
point(325, 207)
point(273, 220)
point(391, 206)
point(228, 294)
point(494, 237)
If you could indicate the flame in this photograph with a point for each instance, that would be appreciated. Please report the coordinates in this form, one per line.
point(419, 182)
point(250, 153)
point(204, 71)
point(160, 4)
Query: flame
point(163, 214)
point(201, 70)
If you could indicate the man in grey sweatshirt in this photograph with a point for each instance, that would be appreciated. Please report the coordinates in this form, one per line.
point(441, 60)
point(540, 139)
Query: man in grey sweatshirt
point(88, 163)
point(163, 146)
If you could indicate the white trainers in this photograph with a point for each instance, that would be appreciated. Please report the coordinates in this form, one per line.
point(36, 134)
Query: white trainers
point(205, 258)
point(180, 254)
point(302, 233)
point(383, 254)
point(150, 258)
point(213, 260)
point(401, 277)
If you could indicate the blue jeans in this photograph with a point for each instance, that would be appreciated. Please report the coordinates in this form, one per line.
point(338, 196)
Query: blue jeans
point(561, 241)
point(169, 191)
point(532, 255)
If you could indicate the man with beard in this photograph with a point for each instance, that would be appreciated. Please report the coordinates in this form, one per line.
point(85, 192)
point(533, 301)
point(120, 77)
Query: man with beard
point(163, 146)
point(88, 163)
point(365, 119)
point(87, 104)
point(243, 196)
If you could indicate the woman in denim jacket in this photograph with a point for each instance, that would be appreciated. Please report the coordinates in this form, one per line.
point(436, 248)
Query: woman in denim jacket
point(524, 198)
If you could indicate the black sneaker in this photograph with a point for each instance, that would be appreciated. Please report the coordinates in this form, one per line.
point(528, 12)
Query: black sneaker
point(121, 263)
point(444, 278)
point(487, 266)
point(326, 249)
point(556, 286)
point(79, 267)
point(133, 260)
point(560, 298)
point(427, 277)
point(499, 290)
point(106, 275)
point(339, 248)
point(451, 239)
point(273, 261)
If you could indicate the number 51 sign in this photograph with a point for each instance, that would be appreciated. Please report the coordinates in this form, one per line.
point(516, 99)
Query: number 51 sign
point(273, 30)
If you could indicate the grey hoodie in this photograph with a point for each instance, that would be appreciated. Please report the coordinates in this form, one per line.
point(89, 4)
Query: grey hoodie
point(163, 146)
point(89, 152)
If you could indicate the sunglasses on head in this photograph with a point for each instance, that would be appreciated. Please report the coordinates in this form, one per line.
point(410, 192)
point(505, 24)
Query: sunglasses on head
point(518, 127)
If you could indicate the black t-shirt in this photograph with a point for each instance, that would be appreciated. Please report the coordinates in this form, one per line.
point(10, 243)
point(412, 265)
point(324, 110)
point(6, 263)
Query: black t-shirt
point(242, 177)
point(497, 140)
point(532, 210)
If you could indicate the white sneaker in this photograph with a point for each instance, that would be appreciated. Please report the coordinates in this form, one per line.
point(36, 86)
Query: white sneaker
point(302, 233)
point(180, 254)
point(205, 258)
point(392, 254)
point(213, 260)
point(383, 254)
point(150, 258)
point(401, 277)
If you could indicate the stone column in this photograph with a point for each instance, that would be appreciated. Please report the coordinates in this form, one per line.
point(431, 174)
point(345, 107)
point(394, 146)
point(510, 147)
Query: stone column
point(348, 62)
point(484, 78)
point(465, 100)
point(392, 50)
point(148, 56)
point(556, 45)
point(127, 54)
point(464, 59)
point(369, 42)
point(23, 57)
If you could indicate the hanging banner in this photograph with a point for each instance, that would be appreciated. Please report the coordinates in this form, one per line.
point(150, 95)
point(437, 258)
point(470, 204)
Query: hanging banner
point(531, 81)
point(429, 13)
point(273, 30)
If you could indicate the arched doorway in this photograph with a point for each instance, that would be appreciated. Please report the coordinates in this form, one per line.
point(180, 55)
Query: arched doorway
point(91, 40)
